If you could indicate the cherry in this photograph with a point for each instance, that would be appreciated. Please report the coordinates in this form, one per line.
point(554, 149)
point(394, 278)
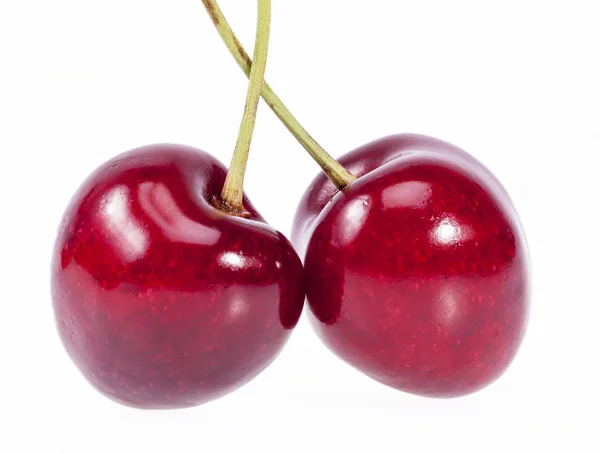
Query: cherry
point(169, 288)
point(162, 300)
point(418, 272)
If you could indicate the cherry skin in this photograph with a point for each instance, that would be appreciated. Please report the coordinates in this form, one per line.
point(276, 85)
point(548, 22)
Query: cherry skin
point(161, 299)
point(418, 272)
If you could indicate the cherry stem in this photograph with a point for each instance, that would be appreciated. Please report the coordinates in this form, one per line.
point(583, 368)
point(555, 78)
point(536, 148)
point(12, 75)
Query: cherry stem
point(333, 169)
point(233, 189)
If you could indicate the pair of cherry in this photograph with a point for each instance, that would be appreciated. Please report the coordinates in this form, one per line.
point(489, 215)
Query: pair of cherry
point(171, 290)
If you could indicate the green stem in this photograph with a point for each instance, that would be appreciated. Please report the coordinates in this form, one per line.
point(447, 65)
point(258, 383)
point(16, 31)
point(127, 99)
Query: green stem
point(233, 189)
point(333, 169)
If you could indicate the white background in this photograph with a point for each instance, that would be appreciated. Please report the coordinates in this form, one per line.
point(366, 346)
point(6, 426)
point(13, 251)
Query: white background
point(516, 83)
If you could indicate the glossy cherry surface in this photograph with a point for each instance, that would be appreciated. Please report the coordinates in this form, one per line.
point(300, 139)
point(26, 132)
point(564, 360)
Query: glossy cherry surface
point(418, 272)
point(162, 300)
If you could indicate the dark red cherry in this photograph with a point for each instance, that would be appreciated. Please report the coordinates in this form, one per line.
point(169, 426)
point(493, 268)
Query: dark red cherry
point(162, 300)
point(418, 272)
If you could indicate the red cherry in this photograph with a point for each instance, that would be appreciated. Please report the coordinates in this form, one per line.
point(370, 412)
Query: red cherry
point(418, 272)
point(162, 300)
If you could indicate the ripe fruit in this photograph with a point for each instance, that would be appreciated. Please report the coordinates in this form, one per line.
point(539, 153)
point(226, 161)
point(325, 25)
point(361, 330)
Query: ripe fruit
point(161, 299)
point(418, 272)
